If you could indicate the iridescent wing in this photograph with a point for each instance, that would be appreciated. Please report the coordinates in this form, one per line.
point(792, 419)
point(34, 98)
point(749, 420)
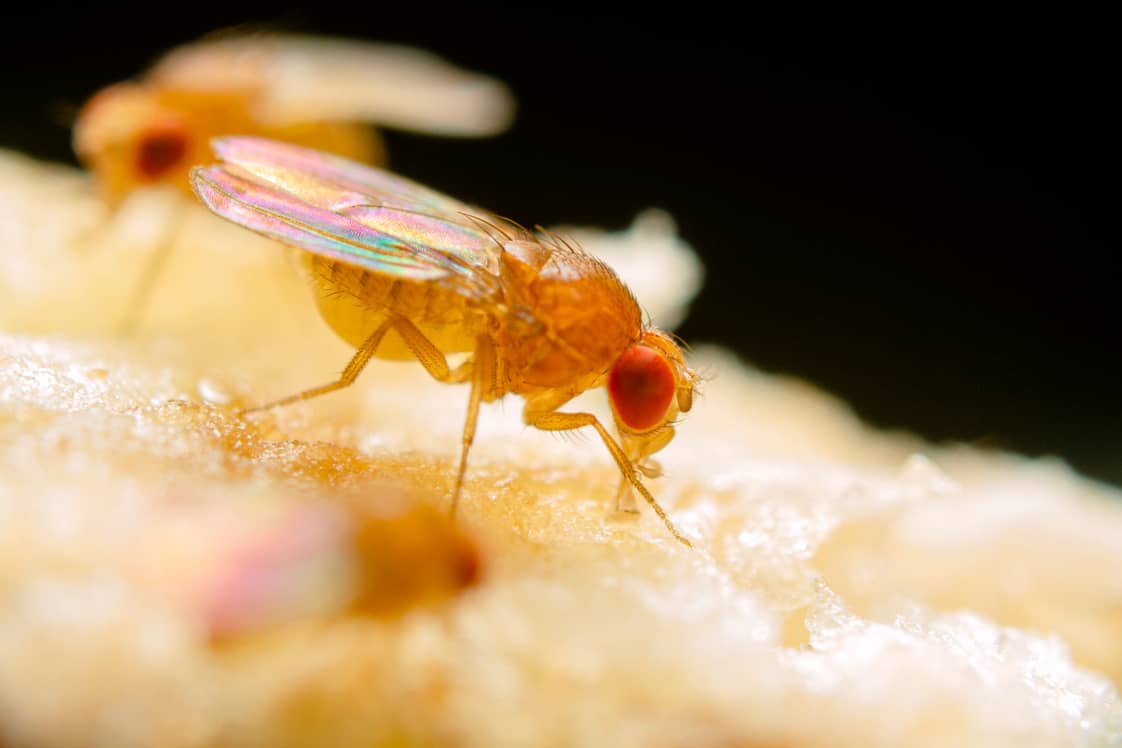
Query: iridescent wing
point(302, 78)
point(359, 215)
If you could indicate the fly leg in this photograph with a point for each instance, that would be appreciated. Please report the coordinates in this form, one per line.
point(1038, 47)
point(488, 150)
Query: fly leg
point(142, 291)
point(541, 413)
point(639, 449)
point(357, 364)
point(481, 370)
point(483, 380)
point(625, 499)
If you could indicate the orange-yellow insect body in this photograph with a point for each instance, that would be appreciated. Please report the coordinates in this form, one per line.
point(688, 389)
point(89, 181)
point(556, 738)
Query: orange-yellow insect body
point(404, 272)
point(355, 302)
point(566, 317)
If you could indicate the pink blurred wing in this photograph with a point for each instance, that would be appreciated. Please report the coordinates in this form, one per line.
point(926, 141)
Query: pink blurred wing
point(354, 214)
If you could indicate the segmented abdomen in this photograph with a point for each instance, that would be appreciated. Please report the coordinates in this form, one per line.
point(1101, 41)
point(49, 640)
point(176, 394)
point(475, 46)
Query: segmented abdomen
point(354, 302)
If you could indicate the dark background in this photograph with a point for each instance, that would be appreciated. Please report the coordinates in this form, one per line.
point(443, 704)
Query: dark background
point(917, 214)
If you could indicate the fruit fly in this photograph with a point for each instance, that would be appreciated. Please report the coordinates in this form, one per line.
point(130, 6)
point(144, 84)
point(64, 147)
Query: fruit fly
point(352, 556)
point(404, 272)
point(316, 92)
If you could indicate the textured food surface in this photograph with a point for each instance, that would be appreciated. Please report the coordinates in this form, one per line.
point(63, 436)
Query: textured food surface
point(175, 574)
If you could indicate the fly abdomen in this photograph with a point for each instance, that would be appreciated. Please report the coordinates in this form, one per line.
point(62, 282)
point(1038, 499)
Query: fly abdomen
point(355, 302)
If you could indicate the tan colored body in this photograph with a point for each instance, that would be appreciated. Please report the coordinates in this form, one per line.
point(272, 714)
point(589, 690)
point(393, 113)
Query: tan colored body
point(564, 318)
point(356, 302)
point(403, 272)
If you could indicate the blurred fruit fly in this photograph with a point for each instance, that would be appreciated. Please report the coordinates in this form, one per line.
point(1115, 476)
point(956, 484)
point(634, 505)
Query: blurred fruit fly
point(356, 556)
point(540, 318)
point(317, 92)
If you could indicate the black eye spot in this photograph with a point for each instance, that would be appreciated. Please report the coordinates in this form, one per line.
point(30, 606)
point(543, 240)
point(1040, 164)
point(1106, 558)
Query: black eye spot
point(159, 151)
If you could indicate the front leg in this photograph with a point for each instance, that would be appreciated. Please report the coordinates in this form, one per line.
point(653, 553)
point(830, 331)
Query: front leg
point(639, 449)
point(541, 412)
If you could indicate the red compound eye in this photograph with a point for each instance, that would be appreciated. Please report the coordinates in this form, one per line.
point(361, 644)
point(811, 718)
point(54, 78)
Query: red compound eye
point(160, 149)
point(641, 386)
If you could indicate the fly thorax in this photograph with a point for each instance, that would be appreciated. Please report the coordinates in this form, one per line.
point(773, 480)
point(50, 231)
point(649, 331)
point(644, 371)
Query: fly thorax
point(522, 340)
point(522, 261)
point(585, 315)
